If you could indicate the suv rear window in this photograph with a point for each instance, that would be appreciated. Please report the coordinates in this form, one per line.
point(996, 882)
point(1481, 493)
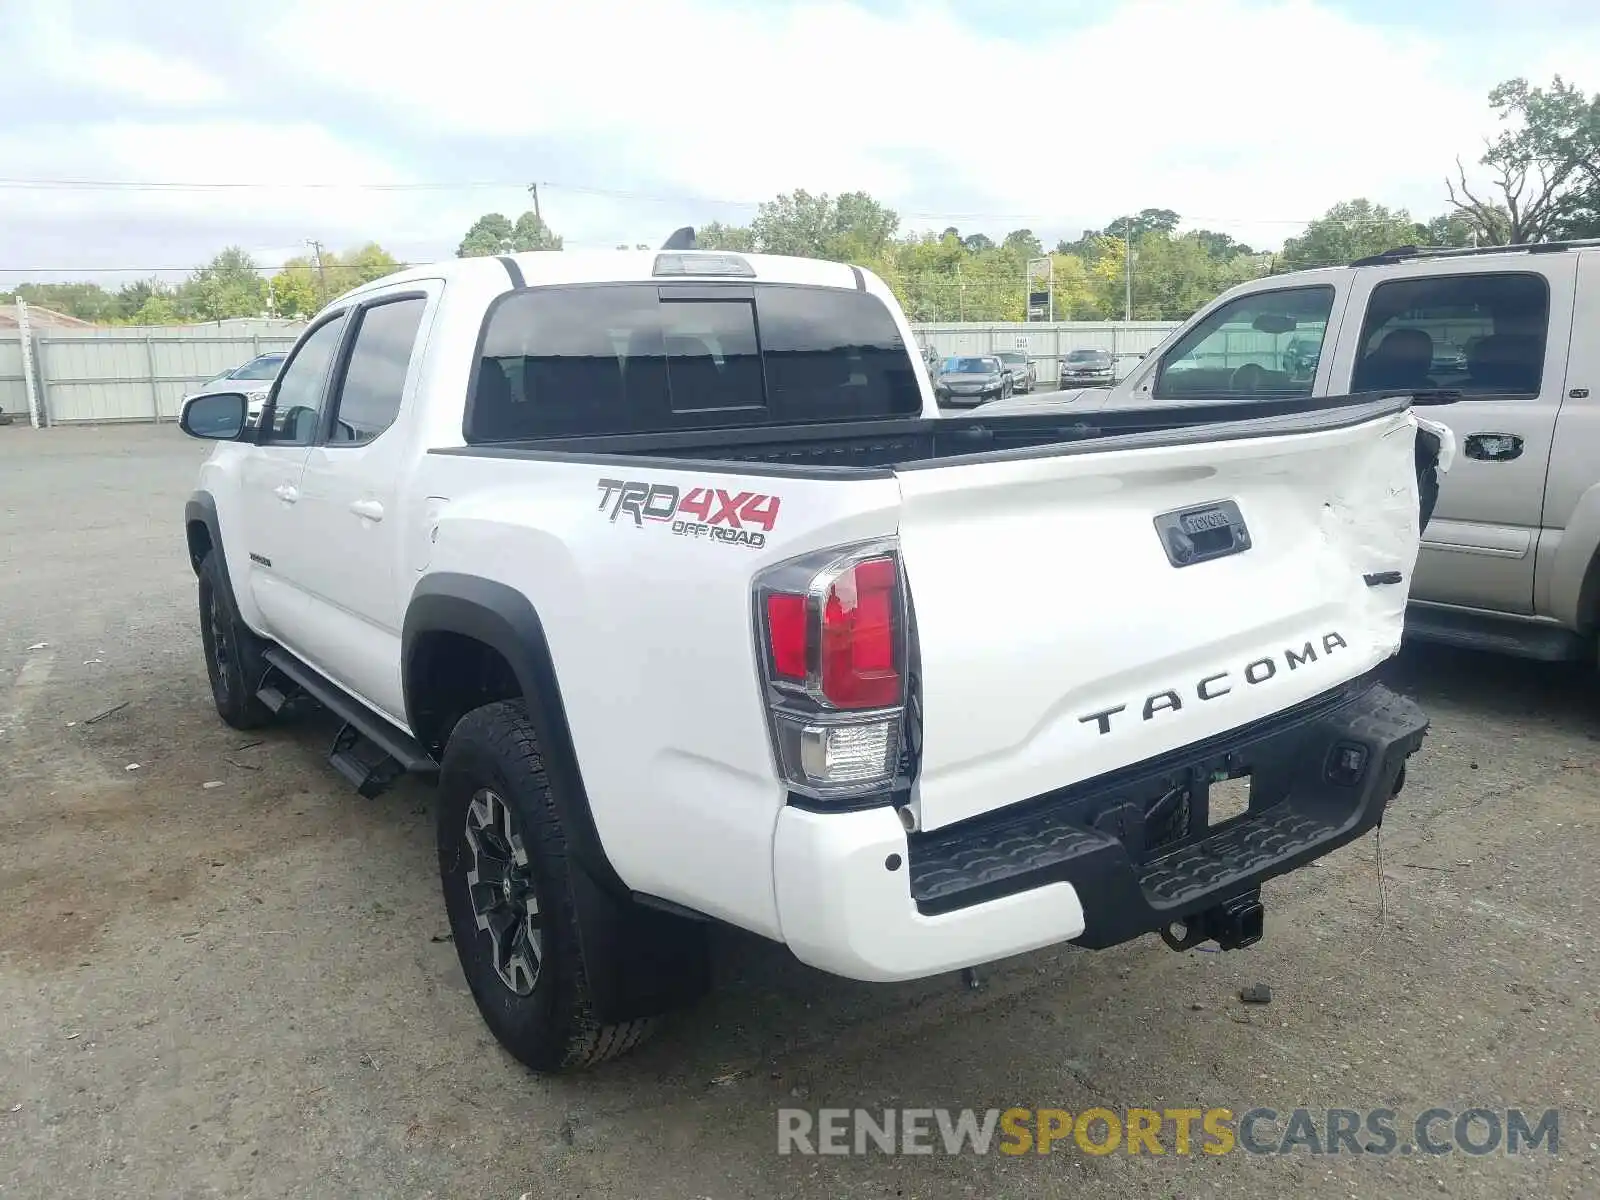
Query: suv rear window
point(650, 358)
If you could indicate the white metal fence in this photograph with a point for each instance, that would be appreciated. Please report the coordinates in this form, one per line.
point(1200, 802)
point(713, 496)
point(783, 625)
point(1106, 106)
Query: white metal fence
point(125, 373)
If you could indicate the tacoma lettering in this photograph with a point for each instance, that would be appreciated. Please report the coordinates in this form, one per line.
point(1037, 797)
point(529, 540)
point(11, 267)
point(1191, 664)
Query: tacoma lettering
point(1213, 687)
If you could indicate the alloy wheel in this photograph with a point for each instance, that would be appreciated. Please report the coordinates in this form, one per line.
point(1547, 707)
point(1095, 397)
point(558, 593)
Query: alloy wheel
point(500, 884)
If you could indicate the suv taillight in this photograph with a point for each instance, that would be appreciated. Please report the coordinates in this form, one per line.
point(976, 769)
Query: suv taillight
point(833, 639)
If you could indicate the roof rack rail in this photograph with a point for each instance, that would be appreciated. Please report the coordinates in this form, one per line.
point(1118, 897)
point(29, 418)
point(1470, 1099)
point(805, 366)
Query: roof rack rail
point(1403, 253)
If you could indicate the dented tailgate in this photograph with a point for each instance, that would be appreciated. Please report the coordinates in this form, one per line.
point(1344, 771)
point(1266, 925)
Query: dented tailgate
point(1092, 605)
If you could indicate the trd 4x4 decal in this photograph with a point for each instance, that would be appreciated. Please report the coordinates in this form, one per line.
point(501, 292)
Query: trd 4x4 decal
point(739, 518)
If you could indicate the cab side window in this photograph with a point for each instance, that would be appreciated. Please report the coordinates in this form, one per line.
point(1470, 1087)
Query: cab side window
point(1265, 345)
point(297, 401)
point(375, 378)
point(1479, 334)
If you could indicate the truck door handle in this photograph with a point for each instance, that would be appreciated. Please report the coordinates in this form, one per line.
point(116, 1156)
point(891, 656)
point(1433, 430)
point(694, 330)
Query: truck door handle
point(371, 510)
point(1494, 447)
point(287, 493)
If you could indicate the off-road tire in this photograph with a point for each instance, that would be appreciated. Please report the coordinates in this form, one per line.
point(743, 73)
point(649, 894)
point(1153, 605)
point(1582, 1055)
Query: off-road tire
point(553, 1028)
point(234, 662)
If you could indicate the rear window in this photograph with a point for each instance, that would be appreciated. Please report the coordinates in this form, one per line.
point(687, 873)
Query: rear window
point(649, 358)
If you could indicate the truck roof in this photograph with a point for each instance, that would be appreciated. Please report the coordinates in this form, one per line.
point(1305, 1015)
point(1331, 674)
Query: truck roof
point(629, 266)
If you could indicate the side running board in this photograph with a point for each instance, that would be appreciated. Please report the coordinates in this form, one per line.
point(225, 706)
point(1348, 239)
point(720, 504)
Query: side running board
point(368, 751)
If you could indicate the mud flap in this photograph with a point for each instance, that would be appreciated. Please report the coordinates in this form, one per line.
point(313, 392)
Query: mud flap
point(640, 962)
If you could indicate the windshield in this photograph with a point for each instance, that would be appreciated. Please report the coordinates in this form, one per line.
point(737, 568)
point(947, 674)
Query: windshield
point(1014, 358)
point(265, 367)
point(967, 366)
point(1087, 355)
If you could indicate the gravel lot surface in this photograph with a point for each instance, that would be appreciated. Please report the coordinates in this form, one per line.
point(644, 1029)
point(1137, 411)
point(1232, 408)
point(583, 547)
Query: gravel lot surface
point(223, 973)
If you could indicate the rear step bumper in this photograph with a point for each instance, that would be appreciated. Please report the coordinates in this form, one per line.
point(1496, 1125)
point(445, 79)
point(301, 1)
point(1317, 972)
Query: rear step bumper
point(1073, 866)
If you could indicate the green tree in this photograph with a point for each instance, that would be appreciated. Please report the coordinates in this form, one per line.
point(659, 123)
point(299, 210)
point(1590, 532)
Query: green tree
point(1452, 230)
point(157, 309)
point(531, 233)
point(300, 288)
point(489, 234)
point(1544, 164)
point(296, 289)
point(364, 265)
point(850, 228)
point(1350, 230)
point(230, 285)
point(86, 301)
point(1146, 220)
point(1220, 246)
point(494, 233)
point(1023, 243)
point(714, 235)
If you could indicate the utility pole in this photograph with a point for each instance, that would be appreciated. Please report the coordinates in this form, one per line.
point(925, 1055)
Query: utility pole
point(322, 277)
point(1127, 241)
point(533, 190)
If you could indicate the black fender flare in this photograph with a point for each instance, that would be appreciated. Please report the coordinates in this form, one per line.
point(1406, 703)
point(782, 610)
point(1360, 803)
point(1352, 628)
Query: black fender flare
point(202, 508)
point(503, 619)
point(650, 960)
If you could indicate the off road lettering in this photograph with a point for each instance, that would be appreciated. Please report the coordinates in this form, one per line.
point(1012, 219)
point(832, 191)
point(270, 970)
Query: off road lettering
point(708, 513)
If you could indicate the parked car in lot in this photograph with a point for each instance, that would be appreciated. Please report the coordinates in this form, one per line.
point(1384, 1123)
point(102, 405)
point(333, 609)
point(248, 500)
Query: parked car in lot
point(1501, 344)
point(1081, 367)
point(253, 378)
point(904, 691)
point(1024, 374)
point(972, 379)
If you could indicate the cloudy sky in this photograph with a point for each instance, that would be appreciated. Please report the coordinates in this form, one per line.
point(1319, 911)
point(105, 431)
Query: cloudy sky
point(402, 120)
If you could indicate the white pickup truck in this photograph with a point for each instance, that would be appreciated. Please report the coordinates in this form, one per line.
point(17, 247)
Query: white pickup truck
point(668, 569)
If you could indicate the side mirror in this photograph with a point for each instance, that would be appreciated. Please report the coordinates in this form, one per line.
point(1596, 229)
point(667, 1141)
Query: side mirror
point(217, 416)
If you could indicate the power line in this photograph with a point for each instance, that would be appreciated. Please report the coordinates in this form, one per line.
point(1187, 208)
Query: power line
point(137, 185)
point(151, 185)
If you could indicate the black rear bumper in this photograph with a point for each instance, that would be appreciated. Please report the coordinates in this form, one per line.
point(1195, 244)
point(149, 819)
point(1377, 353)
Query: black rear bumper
point(1138, 846)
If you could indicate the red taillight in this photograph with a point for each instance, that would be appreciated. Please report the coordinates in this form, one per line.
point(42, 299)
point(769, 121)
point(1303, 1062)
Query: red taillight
point(786, 635)
point(859, 637)
point(850, 658)
point(833, 639)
